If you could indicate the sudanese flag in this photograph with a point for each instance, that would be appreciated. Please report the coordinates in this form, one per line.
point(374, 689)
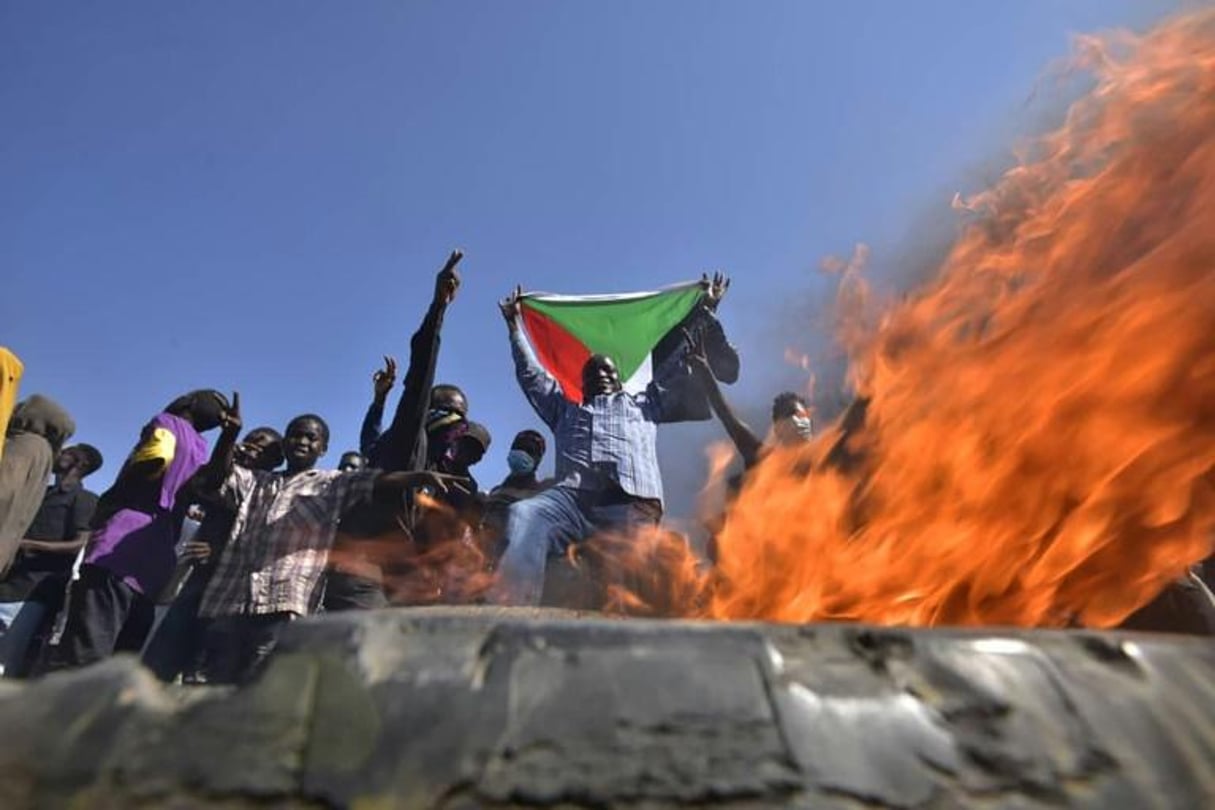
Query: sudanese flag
point(565, 330)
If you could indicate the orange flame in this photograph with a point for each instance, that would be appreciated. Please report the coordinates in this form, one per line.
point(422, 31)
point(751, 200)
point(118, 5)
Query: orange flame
point(1039, 434)
point(439, 560)
point(720, 455)
point(1034, 437)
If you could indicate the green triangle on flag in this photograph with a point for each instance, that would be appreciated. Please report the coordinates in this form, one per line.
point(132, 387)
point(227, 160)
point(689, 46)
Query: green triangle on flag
point(624, 327)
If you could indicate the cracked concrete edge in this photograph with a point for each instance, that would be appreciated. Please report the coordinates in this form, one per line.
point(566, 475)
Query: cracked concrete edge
point(467, 707)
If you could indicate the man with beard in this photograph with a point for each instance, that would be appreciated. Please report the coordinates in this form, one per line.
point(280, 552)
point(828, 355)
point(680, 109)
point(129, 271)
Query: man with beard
point(607, 461)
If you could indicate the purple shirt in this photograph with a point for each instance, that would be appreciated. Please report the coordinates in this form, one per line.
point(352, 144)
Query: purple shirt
point(137, 546)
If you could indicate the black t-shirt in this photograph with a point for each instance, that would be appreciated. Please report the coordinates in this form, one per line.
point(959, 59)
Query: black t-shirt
point(64, 513)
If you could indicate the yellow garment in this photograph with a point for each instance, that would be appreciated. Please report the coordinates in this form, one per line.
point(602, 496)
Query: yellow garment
point(11, 370)
point(160, 446)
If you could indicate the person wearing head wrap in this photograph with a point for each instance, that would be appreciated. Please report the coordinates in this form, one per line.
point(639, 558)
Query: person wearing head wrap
point(36, 432)
point(130, 555)
point(456, 447)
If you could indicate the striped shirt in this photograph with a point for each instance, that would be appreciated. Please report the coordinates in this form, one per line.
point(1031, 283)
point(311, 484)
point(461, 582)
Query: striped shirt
point(610, 440)
point(285, 525)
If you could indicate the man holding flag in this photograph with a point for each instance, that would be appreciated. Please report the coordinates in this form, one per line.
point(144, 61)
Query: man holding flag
point(573, 356)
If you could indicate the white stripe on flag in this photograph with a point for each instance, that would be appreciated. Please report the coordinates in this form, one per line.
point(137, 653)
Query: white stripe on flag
point(641, 377)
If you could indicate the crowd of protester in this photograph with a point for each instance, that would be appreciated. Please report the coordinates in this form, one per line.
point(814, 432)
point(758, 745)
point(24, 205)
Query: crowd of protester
point(197, 558)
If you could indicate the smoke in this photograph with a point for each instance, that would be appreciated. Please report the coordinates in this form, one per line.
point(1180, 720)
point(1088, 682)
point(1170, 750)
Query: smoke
point(814, 330)
point(1039, 443)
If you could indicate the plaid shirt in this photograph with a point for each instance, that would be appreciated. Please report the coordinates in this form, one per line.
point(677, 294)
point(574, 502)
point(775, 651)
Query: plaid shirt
point(285, 525)
point(611, 439)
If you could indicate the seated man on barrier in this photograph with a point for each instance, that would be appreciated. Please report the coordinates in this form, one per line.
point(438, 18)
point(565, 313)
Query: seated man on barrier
point(607, 476)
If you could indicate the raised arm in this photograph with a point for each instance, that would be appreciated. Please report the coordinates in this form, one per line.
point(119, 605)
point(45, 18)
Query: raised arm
point(749, 445)
point(382, 382)
point(407, 423)
point(209, 480)
point(673, 396)
point(721, 354)
point(707, 329)
point(540, 387)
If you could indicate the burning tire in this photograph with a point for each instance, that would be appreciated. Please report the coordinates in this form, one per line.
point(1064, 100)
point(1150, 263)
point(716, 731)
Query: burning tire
point(463, 708)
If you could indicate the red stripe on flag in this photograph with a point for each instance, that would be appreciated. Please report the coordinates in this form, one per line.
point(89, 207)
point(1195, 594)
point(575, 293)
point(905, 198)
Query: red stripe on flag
point(557, 350)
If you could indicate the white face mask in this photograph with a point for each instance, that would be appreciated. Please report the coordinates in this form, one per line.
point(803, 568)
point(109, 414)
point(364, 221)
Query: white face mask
point(793, 429)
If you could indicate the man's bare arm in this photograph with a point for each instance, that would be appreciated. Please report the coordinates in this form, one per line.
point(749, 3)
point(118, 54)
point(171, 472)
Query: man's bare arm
point(749, 445)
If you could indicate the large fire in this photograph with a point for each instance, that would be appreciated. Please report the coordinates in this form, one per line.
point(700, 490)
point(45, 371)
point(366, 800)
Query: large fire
point(1035, 435)
point(1039, 427)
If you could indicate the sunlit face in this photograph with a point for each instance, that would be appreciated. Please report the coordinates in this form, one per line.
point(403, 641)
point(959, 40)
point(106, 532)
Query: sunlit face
point(304, 444)
point(600, 376)
point(351, 462)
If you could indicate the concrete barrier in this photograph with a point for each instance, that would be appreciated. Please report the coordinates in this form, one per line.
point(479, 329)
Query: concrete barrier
point(469, 708)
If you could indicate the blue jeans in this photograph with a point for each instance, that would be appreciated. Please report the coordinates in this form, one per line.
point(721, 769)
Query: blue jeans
point(19, 622)
point(547, 523)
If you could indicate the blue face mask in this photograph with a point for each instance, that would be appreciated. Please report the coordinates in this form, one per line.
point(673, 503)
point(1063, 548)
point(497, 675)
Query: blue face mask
point(520, 462)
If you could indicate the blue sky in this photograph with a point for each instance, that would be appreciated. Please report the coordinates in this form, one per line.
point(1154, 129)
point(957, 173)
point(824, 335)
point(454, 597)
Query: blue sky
point(256, 196)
